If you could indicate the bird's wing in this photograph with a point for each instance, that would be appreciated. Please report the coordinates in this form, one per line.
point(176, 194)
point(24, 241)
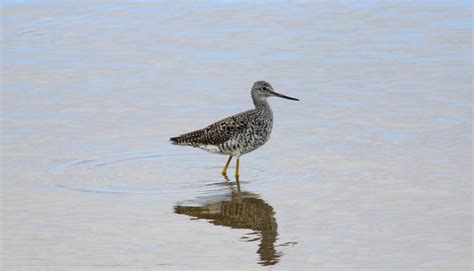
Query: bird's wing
point(216, 133)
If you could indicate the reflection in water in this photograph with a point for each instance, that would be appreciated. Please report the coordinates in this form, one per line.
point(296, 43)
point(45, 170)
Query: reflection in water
point(241, 210)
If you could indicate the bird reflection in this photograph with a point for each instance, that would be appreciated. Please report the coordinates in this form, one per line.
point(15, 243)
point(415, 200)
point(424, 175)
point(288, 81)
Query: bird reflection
point(241, 210)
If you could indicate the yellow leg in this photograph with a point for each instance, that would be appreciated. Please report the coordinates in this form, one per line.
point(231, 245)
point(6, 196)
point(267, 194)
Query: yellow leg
point(237, 168)
point(224, 171)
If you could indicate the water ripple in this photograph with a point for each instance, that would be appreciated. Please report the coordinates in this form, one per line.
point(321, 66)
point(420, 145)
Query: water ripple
point(147, 172)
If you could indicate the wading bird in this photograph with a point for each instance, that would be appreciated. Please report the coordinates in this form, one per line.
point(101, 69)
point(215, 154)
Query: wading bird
point(238, 134)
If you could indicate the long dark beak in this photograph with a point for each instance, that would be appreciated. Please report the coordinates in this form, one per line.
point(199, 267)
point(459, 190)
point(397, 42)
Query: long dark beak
point(283, 96)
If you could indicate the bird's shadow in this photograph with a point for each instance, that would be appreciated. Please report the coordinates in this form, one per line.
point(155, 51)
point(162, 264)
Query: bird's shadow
point(240, 210)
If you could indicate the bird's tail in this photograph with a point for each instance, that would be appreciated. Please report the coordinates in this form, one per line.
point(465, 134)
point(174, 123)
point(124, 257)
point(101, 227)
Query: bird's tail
point(174, 140)
point(188, 139)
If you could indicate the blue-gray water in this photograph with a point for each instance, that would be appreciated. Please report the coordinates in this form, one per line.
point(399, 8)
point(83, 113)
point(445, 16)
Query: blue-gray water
point(370, 170)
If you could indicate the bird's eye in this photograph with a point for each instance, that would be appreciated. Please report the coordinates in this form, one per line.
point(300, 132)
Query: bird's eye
point(265, 88)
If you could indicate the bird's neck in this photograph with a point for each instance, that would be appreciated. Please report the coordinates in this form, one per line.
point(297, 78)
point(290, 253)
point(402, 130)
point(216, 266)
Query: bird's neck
point(261, 103)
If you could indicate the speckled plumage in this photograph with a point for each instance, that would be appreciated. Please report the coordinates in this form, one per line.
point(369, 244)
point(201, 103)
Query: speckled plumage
point(235, 135)
point(240, 133)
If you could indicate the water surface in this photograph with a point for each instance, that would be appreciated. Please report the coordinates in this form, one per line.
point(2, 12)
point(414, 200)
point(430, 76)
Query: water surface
point(370, 170)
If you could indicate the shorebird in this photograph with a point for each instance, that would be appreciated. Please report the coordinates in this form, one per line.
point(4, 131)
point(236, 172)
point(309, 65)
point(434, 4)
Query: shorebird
point(238, 134)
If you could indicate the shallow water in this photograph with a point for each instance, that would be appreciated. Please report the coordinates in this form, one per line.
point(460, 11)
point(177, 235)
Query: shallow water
point(370, 170)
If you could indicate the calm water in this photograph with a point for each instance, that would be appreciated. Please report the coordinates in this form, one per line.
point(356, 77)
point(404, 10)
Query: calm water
point(370, 170)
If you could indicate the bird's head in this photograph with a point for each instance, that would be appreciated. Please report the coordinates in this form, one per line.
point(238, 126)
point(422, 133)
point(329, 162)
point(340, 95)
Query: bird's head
point(262, 89)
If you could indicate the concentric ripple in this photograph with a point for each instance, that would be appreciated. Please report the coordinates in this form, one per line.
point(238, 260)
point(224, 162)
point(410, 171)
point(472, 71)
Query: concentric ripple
point(148, 172)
